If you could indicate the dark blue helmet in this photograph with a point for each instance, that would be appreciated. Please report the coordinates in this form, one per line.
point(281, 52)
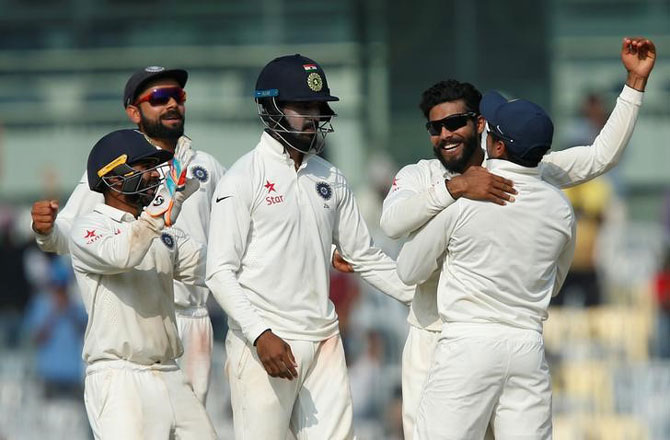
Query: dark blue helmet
point(112, 157)
point(294, 78)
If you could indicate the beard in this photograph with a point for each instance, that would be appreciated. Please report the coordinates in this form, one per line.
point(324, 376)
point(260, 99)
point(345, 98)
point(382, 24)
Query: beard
point(458, 165)
point(144, 194)
point(303, 142)
point(156, 129)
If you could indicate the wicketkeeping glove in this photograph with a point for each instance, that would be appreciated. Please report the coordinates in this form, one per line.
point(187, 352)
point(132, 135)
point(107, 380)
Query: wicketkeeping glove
point(176, 176)
point(168, 205)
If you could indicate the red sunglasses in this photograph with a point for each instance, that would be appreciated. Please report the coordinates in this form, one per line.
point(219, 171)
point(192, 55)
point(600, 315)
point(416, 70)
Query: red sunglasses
point(162, 96)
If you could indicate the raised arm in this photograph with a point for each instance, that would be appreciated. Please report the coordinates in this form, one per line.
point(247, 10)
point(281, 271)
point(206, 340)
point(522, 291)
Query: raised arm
point(103, 246)
point(99, 248)
point(52, 228)
point(576, 165)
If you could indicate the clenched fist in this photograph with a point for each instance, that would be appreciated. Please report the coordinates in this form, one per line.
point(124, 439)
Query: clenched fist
point(44, 215)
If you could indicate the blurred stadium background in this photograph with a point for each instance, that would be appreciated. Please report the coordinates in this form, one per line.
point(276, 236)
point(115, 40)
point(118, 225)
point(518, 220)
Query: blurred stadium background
point(63, 65)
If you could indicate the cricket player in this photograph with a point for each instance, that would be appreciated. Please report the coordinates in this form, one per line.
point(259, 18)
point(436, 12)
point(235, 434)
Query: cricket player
point(277, 212)
point(499, 267)
point(422, 190)
point(154, 100)
point(125, 258)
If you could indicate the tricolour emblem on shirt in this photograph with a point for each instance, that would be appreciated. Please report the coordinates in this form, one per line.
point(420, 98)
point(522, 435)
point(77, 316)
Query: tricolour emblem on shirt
point(324, 190)
point(200, 173)
point(168, 240)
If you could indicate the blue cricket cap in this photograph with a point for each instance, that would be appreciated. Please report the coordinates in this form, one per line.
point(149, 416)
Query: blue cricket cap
point(523, 126)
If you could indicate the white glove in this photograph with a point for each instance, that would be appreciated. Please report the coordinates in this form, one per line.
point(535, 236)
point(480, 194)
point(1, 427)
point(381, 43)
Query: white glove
point(168, 206)
point(176, 177)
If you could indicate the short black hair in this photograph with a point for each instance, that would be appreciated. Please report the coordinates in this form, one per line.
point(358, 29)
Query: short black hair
point(531, 159)
point(450, 90)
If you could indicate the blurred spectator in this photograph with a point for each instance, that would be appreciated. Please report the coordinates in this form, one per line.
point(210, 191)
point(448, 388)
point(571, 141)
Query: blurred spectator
point(582, 286)
point(393, 416)
point(56, 325)
point(344, 293)
point(380, 172)
point(662, 295)
point(365, 375)
point(15, 287)
point(590, 201)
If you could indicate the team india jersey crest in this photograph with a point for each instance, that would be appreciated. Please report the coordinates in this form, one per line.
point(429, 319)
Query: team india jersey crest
point(200, 173)
point(324, 190)
point(168, 240)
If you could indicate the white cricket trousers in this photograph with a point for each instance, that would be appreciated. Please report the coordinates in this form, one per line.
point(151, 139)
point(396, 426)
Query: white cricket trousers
point(417, 357)
point(486, 373)
point(316, 405)
point(197, 337)
point(130, 401)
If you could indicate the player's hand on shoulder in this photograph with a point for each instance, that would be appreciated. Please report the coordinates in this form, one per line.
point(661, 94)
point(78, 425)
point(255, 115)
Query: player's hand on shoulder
point(43, 215)
point(276, 356)
point(477, 183)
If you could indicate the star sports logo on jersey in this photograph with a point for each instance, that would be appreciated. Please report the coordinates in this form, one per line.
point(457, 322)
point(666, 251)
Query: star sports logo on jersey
point(272, 199)
point(91, 237)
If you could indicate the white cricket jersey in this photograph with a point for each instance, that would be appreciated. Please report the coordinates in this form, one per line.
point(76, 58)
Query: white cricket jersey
point(270, 243)
point(500, 264)
point(125, 275)
point(193, 218)
point(419, 191)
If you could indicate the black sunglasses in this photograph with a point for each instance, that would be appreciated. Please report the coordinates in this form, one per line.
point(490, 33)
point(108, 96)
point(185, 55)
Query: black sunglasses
point(451, 123)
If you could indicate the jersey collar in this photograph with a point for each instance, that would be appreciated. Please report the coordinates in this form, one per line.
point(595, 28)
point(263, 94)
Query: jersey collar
point(113, 213)
point(276, 150)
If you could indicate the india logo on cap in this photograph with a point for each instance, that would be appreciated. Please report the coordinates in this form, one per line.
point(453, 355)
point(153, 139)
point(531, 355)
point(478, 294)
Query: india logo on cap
point(315, 82)
point(154, 69)
point(309, 67)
